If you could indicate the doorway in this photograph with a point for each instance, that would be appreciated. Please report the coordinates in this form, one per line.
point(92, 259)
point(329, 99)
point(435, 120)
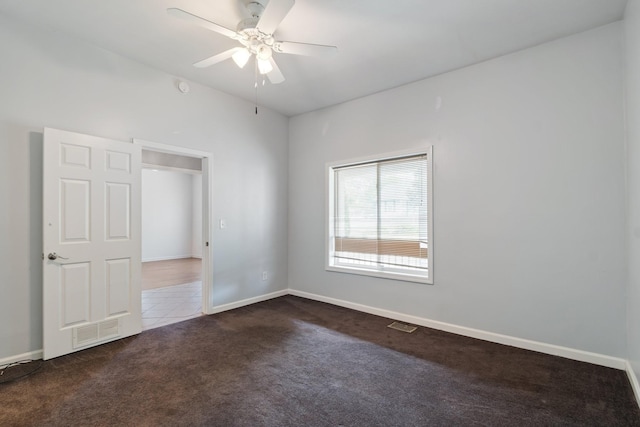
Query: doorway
point(171, 239)
point(175, 234)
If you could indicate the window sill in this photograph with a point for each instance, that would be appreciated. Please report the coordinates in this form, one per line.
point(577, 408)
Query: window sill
point(380, 274)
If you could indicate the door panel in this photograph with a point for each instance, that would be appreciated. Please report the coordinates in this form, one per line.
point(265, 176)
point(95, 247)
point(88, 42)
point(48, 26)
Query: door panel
point(75, 156)
point(118, 211)
point(75, 218)
point(74, 284)
point(118, 286)
point(117, 161)
point(91, 289)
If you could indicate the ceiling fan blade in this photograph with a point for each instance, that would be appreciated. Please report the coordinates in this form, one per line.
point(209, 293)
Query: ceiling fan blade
point(216, 58)
point(273, 14)
point(179, 13)
point(275, 75)
point(307, 49)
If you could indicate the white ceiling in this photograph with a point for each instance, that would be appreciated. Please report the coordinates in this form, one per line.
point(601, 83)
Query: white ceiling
point(381, 43)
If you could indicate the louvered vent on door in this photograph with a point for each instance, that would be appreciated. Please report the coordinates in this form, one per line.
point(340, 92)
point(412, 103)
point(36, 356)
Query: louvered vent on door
point(91, 334)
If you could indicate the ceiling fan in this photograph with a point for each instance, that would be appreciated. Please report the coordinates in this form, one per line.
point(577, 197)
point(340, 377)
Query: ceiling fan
point(256, 36)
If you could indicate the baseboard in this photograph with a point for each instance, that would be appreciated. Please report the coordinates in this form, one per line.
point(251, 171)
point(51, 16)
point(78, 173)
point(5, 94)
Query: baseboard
point(633, 379)
point(248, 301)
point(166, 258)
point(569, 353)
point(32, 355)
point(555, 350)
point(36, 355)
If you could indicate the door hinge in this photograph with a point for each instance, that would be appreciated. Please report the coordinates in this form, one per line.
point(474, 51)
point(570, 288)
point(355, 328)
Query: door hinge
point(43, 256)
point(205, 243)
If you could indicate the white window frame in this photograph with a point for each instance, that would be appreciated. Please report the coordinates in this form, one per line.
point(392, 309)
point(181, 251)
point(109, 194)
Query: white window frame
point(329, 217)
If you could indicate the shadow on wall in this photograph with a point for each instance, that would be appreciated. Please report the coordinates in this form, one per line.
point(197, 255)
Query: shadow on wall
point(36, 140)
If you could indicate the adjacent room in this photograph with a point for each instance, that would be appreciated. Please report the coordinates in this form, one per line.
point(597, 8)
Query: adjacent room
point(383, 213)
point(171, 237)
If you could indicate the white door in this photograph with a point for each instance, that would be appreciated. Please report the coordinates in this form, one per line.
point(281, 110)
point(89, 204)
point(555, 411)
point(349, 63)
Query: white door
point(91, 214)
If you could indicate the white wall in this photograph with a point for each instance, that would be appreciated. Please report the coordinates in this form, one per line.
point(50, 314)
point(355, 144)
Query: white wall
point(167, 215)
point(632, 33)
point(48, 79)
point(529, 199)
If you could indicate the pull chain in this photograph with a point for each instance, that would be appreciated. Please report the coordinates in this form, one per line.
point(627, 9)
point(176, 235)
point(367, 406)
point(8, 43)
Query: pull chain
point(256, 83)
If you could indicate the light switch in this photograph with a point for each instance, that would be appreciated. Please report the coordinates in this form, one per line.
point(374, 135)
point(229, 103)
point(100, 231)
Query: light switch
point(223, 224)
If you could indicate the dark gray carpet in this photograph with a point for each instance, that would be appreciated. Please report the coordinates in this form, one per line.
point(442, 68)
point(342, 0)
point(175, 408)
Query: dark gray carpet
point(295, 362)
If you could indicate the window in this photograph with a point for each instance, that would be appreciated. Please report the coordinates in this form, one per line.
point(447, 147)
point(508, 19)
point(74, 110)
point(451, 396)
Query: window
point(379, 217)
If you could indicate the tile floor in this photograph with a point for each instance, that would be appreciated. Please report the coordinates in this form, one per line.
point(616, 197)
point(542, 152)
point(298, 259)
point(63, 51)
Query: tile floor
point(171, 304)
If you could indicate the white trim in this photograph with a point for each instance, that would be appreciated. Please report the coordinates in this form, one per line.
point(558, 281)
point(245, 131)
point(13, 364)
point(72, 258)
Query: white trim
point(406, 276)
point(31, 355)
point(431, 248)
point(168, 258)
point(403, 277)
point(633, 379)
point(151, 167)
point(248, 301)
point(207, 211)
point(171, 149)
point(569, 353)
point(555, 350)
point(207, 233)
point(415, 151)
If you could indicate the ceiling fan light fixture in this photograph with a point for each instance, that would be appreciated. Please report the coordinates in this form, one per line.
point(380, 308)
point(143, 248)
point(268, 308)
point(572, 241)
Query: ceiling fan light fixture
point(241, 57)
point(264, 52)
point(264, 66)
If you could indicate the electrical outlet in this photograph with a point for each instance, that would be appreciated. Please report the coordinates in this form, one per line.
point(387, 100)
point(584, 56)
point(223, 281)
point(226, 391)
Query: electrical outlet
point(264, 275)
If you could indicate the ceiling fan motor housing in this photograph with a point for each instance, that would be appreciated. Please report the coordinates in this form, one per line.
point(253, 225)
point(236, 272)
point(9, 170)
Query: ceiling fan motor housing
point(255, 9)
point(252, 38)
point(247, 24)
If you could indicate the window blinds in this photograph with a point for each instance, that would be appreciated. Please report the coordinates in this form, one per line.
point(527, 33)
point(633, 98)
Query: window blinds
point(380, 218)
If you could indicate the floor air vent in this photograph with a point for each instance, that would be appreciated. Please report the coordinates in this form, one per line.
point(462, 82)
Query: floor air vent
point(402, 327)
point(90, 334)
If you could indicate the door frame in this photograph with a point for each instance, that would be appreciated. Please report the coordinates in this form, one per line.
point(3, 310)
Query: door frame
point(207, 226)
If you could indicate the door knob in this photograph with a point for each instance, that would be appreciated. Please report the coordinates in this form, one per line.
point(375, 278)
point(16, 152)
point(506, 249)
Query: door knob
point(53, 256)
